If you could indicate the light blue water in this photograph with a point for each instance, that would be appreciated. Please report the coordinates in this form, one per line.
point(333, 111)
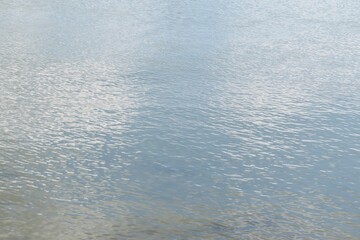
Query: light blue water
point(179, 119)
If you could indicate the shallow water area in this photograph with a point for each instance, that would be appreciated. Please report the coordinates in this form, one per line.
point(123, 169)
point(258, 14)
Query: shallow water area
point(179, 120)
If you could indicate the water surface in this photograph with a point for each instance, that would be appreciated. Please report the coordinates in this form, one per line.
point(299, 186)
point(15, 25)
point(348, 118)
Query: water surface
point(179, 119)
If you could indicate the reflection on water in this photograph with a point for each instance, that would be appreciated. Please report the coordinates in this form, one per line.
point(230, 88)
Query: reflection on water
point(179, 120)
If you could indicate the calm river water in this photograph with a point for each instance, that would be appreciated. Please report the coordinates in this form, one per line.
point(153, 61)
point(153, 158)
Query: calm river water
point(164, 119)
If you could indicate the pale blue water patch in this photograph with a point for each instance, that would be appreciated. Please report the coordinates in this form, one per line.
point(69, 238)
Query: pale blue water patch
point(179, 120)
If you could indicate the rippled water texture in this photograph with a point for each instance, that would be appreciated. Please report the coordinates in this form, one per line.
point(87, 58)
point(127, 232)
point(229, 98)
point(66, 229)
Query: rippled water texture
point(164, 119)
